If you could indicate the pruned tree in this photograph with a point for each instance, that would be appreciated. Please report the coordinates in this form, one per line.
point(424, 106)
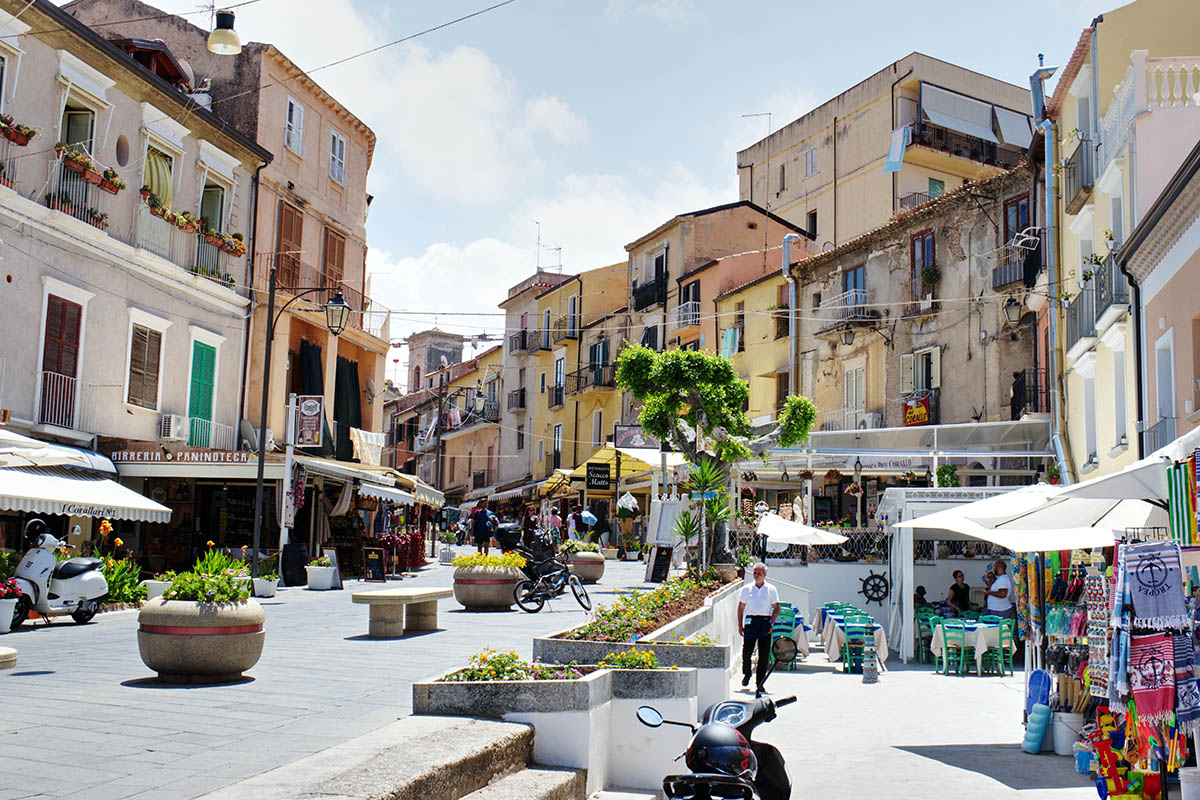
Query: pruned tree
point(695, 401)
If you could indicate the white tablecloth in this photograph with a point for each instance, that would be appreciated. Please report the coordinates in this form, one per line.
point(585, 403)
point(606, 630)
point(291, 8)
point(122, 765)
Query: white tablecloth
point(983, 637)
point(833, 636)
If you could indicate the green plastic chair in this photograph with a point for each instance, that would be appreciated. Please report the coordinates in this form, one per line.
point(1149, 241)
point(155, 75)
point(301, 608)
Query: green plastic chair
point(852, 647)
point(991, 619)
point(783, 629)
point(926, 627)
point(971, 615)
point(955, 648)
point(1000, 657)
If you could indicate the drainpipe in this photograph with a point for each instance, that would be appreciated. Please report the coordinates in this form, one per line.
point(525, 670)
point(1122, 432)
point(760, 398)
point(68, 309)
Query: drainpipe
point(1139, 364)
point(1046, 126)
point(792, 338)
point(895, 175)
point(250, 281)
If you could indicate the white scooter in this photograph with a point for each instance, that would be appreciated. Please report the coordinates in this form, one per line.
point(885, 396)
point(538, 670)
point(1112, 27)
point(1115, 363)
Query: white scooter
point(56, 588)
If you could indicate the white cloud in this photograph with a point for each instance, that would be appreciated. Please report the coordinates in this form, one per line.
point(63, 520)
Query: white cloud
point(554, 117)
point(665, 11)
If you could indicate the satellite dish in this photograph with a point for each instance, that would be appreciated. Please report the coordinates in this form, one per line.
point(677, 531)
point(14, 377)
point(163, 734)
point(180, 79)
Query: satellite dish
point(445, 363)
point(370, 390)
point(249, 439)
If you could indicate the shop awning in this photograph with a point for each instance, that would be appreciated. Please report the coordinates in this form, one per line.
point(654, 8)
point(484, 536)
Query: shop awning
point(633, 460)
point(516, 491)
point(957, 112)
point(1014, 127)
point(425, 494)
point(559, 481)
point(343, 470)
point(23, 451)
point(386, 493)
point(59, 490)
point(781, 532)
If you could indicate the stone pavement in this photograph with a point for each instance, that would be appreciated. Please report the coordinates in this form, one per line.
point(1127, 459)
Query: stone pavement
point(83, 718)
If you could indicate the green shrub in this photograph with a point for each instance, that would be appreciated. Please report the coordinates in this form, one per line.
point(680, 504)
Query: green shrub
point(201, 588)
point(268, 569)
point(579, 546)
point(447, 537)
point(9, 559)
point(124, 578)
point(636, 613)
point(215, 562)
point(321, 561)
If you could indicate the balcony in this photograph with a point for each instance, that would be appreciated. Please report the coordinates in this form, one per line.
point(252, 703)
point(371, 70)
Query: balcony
point(597, 376)
point(1078, 177)
point(1012, 259)
point(9, 163)
point(1029, 394)
point(687, 315)
point(205, 433)
point(1112, 293)
point(554, 396)
point(847, 308)
point(75, 196)
point(365, 314)
point(914, 199)
point(961, 145)
point(1154, 85)
point(566, 327)
point(57, 405)
point(650, 293)
point(516, 399)
point(1081, 323)
point(1159, 435)
point(519, 342)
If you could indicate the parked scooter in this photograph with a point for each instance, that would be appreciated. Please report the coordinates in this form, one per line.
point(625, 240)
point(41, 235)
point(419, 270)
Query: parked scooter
point(724, 759)
point(56, 588)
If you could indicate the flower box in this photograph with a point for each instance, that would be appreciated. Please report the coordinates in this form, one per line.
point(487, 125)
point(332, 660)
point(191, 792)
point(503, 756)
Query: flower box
point(74, 165)
point(610, 553)
point(189, 642)
point(589, 567)
point(158, 212)
point(215, 241)
point(265, 587)
point(7, 609)
point(108, 186)
point(188, 228)
point(486, 588)
point(15, 136)
point(92, 176)
point(154, 588)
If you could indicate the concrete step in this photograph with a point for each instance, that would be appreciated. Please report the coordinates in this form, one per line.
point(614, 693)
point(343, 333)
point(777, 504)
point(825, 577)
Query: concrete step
point(535, 783)
point(414, 758)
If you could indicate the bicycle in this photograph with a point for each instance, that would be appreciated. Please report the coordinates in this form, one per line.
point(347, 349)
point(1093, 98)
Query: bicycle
point(531, 594)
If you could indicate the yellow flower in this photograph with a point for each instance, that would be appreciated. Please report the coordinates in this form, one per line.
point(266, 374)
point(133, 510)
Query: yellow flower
point(210, 542)
point(243, 549)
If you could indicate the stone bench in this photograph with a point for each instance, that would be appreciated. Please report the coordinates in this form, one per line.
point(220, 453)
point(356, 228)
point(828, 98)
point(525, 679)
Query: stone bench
point(8, 658)
point(387, 615)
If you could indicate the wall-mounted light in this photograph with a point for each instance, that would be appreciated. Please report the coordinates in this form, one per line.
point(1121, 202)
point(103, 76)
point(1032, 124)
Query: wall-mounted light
point(847, 337)
point(1012, 311)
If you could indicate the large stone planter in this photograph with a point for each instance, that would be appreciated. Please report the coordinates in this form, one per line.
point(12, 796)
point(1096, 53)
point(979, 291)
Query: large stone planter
point(155, 589)
point(587, 565)
point(319, 577)
point(188, 642)
point(486, 588)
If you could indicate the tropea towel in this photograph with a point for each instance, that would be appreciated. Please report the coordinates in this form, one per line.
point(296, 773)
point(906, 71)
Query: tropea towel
point(1187, 692)
point(1152, 677)
point(1155, 578)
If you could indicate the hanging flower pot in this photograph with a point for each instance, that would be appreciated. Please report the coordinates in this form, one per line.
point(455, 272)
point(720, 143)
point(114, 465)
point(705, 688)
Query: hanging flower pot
point(73, 165)
point(108, 186)
point(92, 176)
point(214, 240)
point(19, 138)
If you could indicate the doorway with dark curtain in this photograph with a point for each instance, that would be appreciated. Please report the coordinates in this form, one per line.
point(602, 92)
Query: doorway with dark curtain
point(347, 410)
point(311, 381)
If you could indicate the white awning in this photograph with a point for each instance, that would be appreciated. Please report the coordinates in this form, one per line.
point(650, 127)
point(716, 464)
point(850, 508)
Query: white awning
point(387, 493)
point(1017, 438)
point(1014, 127)
point(957, 112)
point(426, 495)
point(343, 470)
point(58, 490)
point(783, 532)
point(653, 456)
point(22, 451)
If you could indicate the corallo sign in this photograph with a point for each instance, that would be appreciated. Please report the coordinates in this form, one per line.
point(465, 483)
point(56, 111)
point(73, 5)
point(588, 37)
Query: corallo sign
point(916, 412)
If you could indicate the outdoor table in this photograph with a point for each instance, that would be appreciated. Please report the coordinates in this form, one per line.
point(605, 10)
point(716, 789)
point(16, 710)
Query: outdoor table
point(834, 633)
point(800, 635)
point(980, 635)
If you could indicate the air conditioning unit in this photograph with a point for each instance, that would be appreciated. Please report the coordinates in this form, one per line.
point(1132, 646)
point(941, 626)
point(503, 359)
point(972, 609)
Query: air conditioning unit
point(870, 421)
point(173, 428)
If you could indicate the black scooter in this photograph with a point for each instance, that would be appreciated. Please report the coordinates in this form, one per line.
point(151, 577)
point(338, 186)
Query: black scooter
point(724, 759)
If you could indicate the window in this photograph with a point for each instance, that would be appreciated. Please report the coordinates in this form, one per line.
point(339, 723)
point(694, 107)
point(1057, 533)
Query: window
point(60, 346)
point(200, 394)
point(854, 290)
point(520, 437)
point(78, 126)
point(1089, 416)
point(689, 304)
point(333, 268)
point(689, 292)
point(921, 370)
point(1164, 375)
point(808, 372)
point(692, 346)
point(293, 134)
point(212, 206)
point(782, 390)
point(558, 439)
point(598, 354)
point(782, 177)
point(1083, 117)
point(543, 389)
point(416, 384)
point(540, 450)
point(740, 325)
point(546, 328)
point(1118, 378)
point(560, 372)
point(289, 245)
point(572, 315)
point(650, 337)
point(922, 258)
point(816, 303)
point(1016, 216)
point(783, 323)
point(810, 162)
point(936, 187)
point(854, 396)
point(597, 427)
point(337, 157)
point(145, 357)
point(654, 267)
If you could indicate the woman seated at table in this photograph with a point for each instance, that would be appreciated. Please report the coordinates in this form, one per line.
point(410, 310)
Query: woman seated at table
point(959, 596)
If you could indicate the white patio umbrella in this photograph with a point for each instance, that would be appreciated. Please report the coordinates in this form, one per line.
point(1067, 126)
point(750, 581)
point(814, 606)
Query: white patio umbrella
point(782, 532)
point(1142, 480)
point(1080, 512)
point(22, 451)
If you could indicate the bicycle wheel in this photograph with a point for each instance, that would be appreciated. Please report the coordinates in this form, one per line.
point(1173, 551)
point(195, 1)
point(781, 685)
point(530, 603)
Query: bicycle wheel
point(580, 593)
point(528, 597)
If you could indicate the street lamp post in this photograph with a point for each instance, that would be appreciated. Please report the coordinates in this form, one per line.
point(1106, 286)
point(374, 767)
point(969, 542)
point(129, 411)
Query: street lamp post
point(858, 498)
point(337, 314)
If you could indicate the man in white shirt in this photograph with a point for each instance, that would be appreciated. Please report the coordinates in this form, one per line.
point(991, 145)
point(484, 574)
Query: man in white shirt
point(1000, 593)
point(758, 606)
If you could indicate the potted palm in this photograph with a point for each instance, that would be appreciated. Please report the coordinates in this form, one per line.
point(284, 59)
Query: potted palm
point(204, 629)
point(320, 573)
point(584, 559)
point(486, 583)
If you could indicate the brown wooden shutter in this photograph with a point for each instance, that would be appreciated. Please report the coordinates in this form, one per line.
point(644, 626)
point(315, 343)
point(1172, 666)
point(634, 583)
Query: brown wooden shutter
point(290, 243)
point(144, 351)
point(335, 257)
point(60, 351)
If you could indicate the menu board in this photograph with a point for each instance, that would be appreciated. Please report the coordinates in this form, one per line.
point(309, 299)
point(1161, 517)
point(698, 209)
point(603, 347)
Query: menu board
point(661, 566)
point(373, 565)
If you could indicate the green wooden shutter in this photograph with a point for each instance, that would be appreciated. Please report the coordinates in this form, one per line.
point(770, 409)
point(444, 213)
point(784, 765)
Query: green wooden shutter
point(204, 359)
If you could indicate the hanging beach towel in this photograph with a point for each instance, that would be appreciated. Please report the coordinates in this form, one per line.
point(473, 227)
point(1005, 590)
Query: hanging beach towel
point(1152, 677)
point(1154, 575)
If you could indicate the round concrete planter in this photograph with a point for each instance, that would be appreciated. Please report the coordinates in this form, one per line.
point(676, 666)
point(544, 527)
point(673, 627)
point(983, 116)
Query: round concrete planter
point(588, 566)
point(188, 642)
point(319, 577)
point(265, 587)
point(486, 588)
point(726, 572)
point(154, 589)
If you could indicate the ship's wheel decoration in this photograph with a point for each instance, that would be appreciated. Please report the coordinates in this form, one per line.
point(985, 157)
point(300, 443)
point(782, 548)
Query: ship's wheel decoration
point(875, 588)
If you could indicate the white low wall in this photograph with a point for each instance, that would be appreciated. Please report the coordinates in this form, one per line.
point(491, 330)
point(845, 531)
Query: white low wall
point(639, 757)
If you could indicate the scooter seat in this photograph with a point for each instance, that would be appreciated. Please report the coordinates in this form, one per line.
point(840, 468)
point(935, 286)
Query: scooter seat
point(75, 566)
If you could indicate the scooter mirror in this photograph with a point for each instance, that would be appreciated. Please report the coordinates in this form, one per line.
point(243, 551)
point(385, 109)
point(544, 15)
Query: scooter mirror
point(77, 531)
point(649, 716)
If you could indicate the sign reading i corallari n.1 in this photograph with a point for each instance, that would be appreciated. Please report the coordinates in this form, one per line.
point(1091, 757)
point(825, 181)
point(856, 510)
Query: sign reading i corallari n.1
point(598, 477)
point(310, 414)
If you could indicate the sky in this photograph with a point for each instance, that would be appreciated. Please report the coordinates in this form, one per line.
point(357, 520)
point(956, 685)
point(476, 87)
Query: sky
point(598, 119)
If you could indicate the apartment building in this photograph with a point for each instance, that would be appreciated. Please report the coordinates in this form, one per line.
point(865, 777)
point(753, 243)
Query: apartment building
point(312, 209)
point(470, 434)
point(123, 320)
point(932, 124)
point(1125, 118)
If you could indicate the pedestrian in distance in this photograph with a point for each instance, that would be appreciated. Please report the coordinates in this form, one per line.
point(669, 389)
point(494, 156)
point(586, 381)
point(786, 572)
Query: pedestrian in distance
point(556, 524)
point(758, 606)
point(483, 525)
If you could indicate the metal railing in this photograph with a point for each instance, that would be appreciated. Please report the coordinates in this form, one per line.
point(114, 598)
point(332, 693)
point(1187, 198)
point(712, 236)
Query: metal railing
point(533, 339)
point(1081, 317)
point(206, 433)
point(595, 376)
point(1112, 288)
point(914, 199)
point(365, 313)
point(518, 342)
point(9, 164)
point(74, 196)
point(566, 327)
point(1077, 176)
point(212, 262)
point(516, 399)
point(650, 293)
point(554, 396)
point(783, 323)
point(1029, 394)
point(687, 314)
point(960, 144)
point(57, 406)
point(848, 306)
point(1160, 434)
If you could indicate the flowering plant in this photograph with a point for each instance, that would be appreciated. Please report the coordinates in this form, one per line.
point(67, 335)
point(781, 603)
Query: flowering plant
point(806, 475)
point(9, 590)
point(493, 665)
point(833, 476)
point(504, 560)
point(215, 589)
point(854, 489)
point(630, 659)
point(105, 527)
point(321, 561)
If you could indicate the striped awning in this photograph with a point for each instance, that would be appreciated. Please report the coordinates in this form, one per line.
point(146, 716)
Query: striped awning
point(386, 493)
point(158, 176)
point(59, 490)
point(1181, 485)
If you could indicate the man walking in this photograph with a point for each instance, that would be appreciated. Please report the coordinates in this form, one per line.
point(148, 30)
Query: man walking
point(483, 523)
point(758, 606)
